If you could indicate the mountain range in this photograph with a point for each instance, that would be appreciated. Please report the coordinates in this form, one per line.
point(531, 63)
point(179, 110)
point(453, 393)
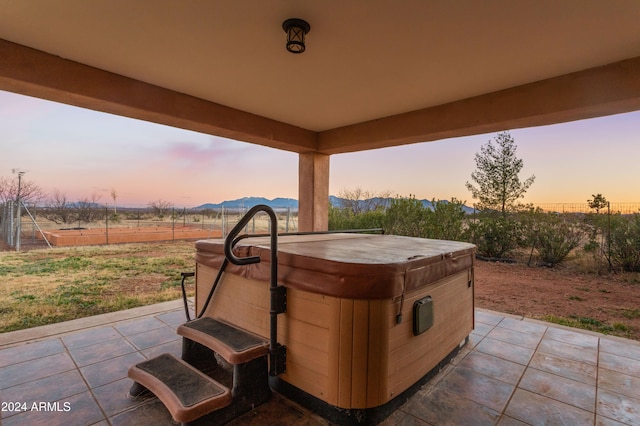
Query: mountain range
point(292, 203)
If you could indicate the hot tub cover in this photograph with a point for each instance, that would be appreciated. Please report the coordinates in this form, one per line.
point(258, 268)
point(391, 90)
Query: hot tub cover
point(354, 266)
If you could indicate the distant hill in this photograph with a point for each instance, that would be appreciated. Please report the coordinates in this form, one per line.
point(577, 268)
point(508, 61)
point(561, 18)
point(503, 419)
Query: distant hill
point(248, 202)
point(292, 203)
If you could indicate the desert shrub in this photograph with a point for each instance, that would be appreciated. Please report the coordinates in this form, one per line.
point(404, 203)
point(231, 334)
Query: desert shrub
point(342, 218)
point(555, 236)
point(624, 242)
point(406, 216)
point(495, 235)
point(446, 221)
point(613, 240)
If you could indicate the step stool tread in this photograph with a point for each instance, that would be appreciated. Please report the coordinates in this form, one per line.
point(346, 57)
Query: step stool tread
point(236, 346)
point(186, 392)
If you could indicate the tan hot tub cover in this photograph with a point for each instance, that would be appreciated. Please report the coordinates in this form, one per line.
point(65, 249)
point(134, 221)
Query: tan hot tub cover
point(352, 266)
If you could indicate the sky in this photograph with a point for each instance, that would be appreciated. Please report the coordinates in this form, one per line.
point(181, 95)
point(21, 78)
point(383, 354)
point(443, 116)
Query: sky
point(86, 154)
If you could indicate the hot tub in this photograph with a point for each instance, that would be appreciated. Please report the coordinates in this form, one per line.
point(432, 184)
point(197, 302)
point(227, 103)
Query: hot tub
point(368, 316)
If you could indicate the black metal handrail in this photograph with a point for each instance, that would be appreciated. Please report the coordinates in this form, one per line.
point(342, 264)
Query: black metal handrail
point(276, 351)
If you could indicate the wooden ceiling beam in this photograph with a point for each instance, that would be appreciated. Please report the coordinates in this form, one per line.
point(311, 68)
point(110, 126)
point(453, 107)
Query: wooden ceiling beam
point(35, 73)
point(601, 91)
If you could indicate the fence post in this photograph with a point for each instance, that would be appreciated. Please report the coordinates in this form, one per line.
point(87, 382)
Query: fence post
point(18, 225)
point(106, 220)
point(286, 228)
point(11, 223)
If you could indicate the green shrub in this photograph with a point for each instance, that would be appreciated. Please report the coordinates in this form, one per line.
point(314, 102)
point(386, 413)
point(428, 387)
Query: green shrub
point(624, 242)
point(495, 235)
point(555, 237)
point(341, 219)
point(446, 221)
point(406, 216)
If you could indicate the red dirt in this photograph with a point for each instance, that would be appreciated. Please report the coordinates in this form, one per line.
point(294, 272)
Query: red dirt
point(99, 236)
point(535, 292)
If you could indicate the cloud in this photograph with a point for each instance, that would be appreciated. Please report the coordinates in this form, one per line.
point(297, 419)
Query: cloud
point(214, 152)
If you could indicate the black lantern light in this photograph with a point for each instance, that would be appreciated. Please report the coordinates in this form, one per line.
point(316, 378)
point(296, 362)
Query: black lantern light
point(296, 29)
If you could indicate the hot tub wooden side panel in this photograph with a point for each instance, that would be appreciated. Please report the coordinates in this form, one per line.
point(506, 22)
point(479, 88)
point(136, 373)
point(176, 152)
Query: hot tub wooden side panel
point(308, 329)
point(361, 353)
point(411, 357)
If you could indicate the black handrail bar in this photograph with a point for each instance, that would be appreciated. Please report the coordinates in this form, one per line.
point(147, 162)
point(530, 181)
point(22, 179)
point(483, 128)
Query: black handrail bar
point(229, 244)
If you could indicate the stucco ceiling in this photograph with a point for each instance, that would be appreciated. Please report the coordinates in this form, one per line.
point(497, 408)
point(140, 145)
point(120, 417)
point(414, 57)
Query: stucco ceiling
point(365, 59)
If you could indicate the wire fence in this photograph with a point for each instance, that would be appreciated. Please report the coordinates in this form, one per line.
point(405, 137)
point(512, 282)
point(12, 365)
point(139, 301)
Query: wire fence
point(622, 208)
point(30, 224)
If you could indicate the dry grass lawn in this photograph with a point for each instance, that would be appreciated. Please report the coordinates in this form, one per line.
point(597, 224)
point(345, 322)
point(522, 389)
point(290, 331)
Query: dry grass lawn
point(46, 286)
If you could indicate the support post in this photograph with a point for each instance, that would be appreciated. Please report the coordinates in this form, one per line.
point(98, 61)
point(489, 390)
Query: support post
point(313, 192)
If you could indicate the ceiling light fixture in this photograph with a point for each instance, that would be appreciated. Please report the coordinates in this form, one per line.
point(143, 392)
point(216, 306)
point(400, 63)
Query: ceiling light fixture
point(296, 29)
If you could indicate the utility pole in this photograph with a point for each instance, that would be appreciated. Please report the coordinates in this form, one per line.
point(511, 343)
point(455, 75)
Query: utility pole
point(19, 203)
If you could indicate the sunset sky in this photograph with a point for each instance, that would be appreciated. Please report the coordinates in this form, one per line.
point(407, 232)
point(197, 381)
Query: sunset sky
point(81, 153)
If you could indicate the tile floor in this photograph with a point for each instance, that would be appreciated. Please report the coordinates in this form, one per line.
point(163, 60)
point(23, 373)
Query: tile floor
point(512, 372)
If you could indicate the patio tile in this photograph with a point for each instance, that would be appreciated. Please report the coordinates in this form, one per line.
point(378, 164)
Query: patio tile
point(561, 389)
point(482, 329)
point(50, 388)
point(400, 418)
point(569, 351)
point(510, 421)
point(488, 318)
point(140, 325)
point(618, 407)
point(90, 337)
point(535, 409)
point(523, 326)
point(479, 388)
point(619, 383)
point(101, 351)
point(35, 369)
point(605, 421)
point(108, 371)
point(154, 337)
point(174, 347)
point(30, 351)
point(286, 413)
point(474, 339)
point(520, 338)
point(574, 370)
point(572, 337)
point(497, 368)
point(505, 350)
point(556, 379)
point(620, 364)
point(442, 407)
point(174, 318)
point(81, 410)
point(114, 399)
point(627, 349)
point(150, 413)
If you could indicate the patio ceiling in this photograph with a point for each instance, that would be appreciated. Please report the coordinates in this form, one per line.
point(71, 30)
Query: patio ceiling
point(375, 73)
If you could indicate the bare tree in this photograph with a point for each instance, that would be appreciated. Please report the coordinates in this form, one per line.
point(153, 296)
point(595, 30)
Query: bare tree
point(359, 201)
point(29, 191)
point(58, 209)
point(160, 208)
point(88, 209)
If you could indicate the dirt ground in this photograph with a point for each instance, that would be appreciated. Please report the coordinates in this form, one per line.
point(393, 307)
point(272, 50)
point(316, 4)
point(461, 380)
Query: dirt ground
point(608, 303)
